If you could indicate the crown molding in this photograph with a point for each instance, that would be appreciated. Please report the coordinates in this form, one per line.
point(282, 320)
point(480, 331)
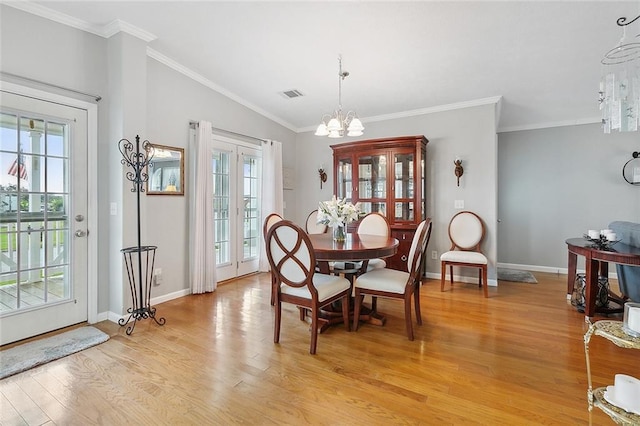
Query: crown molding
point(565, 123)
point(431, 110)
point(54, 15)
point(104, 31)
point(154, 54)
point(422, 111)
point(118, 25)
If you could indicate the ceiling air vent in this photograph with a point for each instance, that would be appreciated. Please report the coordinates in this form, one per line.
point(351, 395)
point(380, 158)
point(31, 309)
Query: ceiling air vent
point(293, 93)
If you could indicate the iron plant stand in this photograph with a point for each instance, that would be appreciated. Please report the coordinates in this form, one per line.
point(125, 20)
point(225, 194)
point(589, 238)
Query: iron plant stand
point(139, 283)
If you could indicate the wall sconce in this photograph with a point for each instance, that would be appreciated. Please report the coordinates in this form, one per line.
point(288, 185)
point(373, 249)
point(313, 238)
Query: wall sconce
point(631, 169)
point(458, 171)
point(323, 176)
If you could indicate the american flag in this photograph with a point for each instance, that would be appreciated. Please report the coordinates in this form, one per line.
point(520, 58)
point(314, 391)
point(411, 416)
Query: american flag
point(18, 167)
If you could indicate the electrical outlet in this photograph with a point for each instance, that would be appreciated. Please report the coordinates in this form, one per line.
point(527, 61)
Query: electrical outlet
point(157, 276)
point(434, 254)
point(458, 204)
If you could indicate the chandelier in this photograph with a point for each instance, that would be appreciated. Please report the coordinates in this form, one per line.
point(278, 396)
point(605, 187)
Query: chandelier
point(335, 125)
point(619, 94)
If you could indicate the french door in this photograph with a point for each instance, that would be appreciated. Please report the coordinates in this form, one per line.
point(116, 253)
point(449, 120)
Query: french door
point(43, 209)
point(236, 208)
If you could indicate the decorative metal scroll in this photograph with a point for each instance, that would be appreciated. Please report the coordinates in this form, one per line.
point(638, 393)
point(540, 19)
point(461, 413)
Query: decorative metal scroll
point(139, 282)
point(137, 160)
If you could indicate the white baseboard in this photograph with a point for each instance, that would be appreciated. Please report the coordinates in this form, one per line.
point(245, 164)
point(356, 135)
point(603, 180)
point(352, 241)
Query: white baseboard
point(114, 317)
point(550, 269)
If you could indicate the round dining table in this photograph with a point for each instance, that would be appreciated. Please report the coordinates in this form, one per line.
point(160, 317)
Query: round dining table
point(355, 248)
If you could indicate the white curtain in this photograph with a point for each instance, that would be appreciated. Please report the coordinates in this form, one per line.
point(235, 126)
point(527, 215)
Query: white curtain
point(272, 196)
point(201, 253)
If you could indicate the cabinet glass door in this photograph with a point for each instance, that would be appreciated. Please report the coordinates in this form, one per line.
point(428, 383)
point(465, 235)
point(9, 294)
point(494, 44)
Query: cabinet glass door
point(403, 169)
point(345, 179)
point(372, 183)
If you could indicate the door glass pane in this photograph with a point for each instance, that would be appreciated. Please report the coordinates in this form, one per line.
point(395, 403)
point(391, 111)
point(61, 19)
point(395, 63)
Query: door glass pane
point(369, 207)
point(221, 214)
point(345, 179)
point(251, 207)
point(251, 210)
point(403, 170)
point(372, 176)
point(34, 194)
point(404, 211)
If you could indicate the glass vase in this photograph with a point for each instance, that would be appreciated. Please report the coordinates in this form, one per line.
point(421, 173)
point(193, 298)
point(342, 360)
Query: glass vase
point(339, 233)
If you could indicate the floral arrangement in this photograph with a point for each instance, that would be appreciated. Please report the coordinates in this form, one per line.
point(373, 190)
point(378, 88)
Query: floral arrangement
point(338, 213)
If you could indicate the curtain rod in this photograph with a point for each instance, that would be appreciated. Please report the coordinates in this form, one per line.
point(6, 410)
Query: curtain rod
point(195, 124)
point(32, 80)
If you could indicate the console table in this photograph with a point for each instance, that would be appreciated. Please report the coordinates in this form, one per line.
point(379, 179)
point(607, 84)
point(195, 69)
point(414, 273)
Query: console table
point(596, 262)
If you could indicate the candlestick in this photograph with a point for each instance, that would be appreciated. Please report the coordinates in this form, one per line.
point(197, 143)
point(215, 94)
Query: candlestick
point(631, 319)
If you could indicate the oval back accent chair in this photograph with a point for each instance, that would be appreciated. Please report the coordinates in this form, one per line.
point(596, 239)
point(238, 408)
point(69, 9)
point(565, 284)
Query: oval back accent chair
point(395, 284)
point(312, 226)
point(466, 232)
point(268, 223)
point(293, 261)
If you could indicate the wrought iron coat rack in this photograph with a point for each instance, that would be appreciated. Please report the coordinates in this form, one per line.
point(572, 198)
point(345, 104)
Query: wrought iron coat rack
point(139, 284)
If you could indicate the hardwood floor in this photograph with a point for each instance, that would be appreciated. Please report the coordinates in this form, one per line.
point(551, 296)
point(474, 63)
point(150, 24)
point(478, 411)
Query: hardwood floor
point(516, 358)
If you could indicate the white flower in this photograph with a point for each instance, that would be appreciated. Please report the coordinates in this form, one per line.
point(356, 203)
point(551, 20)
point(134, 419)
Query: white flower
point(338, 212)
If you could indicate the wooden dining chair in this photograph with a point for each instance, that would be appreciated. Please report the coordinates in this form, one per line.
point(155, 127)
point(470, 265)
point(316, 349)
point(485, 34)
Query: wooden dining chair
point(394, 284)
point(466, 232)
point(312, 226)
point(291, 256)
point(268, 223)
point(375, 224)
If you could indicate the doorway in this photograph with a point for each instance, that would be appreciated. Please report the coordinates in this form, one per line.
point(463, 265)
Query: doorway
point(237, 170)
point(44, 249)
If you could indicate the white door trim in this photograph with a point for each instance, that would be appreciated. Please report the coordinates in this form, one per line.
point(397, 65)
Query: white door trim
point(92, 183)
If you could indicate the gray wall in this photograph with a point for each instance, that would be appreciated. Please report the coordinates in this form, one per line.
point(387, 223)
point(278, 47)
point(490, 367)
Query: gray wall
point(557, 183)
point(468, 133)
point(172, 101)
point(162, 102)
point(40, 49)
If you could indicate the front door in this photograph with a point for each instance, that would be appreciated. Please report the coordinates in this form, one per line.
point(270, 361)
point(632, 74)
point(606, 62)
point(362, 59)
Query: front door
point(43, 209)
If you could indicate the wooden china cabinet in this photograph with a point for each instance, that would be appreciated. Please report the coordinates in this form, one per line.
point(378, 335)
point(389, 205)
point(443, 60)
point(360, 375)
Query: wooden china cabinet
point(388, 176)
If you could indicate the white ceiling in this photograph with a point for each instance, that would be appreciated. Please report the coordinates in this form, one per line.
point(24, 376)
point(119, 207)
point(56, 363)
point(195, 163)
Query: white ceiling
point(543, 58)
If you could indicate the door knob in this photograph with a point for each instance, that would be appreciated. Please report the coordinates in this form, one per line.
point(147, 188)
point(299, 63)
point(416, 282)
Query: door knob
point(79, 218)
point(80, 233)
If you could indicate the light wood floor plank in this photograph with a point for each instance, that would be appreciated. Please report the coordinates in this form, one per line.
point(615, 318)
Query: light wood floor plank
point(516, 358)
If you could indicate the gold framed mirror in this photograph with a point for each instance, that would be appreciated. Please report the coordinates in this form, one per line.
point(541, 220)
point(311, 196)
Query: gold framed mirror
point(166, 171)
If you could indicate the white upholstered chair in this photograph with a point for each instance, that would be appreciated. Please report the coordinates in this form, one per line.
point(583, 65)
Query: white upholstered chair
point(371, 224)
point(466, 232)
point(391, 283)
point(292, 259)
point(375, 224)
point(268, 223)
point(312, 226)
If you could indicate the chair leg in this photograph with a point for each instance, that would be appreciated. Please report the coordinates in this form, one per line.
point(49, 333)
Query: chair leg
point(416, 302)
point(484, 276)
point(451, 274)
point(276, 328)
point(345, 312)
point(314, 331)
point(480, 277)
point(357, 302)
point(407, 315)
point(443, 273)
point(374, 304)
point(273, 289)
